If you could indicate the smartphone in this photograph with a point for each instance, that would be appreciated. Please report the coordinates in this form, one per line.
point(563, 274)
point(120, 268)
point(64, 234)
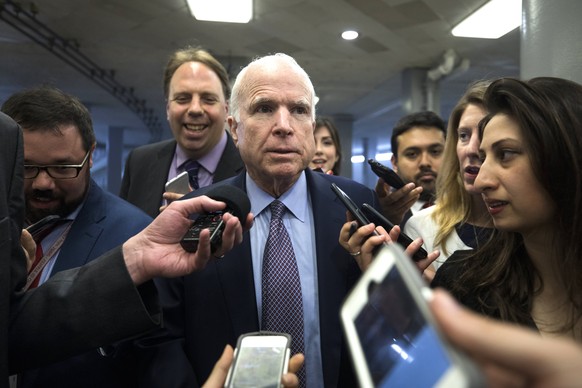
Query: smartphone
point(351, 206)
point(179, 184)
point(260, 359)
point(38, 227)
point(386, 173)
point(392, 336)
point(378, 219)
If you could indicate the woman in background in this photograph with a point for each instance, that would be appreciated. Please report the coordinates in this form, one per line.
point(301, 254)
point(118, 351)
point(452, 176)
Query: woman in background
point(328, 154)
point(459, 220)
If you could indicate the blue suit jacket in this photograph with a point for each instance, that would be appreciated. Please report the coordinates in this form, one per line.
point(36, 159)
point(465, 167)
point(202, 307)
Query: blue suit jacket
point(209, 309)
point(104, 222)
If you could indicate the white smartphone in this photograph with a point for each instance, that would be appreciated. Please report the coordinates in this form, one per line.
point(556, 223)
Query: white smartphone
point(260, 359)
point(180, 184)
point(392, 336)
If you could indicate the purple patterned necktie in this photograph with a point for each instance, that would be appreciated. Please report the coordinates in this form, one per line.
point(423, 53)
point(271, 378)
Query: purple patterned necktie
point(281, 288)
point(192, 167)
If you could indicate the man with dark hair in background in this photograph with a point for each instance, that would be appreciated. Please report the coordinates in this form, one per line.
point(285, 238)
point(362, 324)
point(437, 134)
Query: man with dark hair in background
point(59, 142)
point(91, 312)
point(197, 90)
point(418, 141)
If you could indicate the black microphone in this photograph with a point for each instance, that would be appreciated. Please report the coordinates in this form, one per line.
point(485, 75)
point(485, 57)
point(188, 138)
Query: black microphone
point(237, 203)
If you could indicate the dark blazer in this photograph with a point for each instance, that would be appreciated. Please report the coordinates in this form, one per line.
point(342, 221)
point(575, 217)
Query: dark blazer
point(74, 302)
point(146, 172)
point(104, 222)
point(209, 309)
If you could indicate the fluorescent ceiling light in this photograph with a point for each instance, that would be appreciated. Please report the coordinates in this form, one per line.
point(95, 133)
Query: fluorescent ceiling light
point(231, 11)
point(358, 159)
point(382, 157)
point(350, 35)
point(491, 21)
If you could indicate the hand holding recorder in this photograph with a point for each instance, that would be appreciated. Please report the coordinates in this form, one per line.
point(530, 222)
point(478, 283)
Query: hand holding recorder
point(362, 239)
point(237, 203)
point(156, 251)
point(394, 203)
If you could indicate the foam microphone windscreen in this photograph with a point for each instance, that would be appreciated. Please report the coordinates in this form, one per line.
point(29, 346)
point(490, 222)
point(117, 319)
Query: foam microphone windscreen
point(236, 200)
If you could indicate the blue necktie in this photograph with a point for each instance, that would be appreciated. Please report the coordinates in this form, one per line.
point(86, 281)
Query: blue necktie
point(192, 167)
point(282, 307)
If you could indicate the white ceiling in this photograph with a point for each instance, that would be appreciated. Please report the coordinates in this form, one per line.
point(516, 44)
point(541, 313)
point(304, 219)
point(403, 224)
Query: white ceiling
point(133, 39)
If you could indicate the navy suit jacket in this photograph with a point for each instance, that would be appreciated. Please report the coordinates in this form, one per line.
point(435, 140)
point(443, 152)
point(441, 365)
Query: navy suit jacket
point(146, 172)
point(206, 310)
point(75, 302)
point(104, 222)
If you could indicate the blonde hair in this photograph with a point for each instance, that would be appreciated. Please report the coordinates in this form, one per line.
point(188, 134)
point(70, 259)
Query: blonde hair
point(453, 204)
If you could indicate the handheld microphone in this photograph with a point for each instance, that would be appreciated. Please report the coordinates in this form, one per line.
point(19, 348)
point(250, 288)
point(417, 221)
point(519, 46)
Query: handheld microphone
point(237, 203)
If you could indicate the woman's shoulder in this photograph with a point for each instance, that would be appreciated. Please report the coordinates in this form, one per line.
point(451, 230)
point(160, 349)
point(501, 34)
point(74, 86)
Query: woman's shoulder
point(421, 219)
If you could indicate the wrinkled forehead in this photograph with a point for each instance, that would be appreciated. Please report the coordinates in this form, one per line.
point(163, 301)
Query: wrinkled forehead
point(279, 77)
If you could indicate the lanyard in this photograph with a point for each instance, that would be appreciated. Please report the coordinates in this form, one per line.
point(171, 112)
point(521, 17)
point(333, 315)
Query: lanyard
point(46, 257)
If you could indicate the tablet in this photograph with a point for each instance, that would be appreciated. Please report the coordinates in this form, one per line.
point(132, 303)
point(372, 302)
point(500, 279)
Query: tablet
point(392, 337)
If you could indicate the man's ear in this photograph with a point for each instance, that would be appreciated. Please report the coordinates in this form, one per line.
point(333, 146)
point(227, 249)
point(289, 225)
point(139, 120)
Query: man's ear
point(394, 161)
point(91, 155)
point(233, 126)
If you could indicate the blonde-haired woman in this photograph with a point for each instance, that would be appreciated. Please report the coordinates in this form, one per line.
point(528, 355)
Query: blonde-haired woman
point(459, 220)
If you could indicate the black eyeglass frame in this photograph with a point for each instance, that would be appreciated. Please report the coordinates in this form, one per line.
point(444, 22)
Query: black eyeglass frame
point(46, 168)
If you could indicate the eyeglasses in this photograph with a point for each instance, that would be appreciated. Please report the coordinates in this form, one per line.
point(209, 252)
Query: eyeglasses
point(56, 171)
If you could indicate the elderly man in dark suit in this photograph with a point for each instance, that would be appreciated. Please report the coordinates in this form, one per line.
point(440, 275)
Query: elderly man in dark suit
point(197, 90)
point(272, 122)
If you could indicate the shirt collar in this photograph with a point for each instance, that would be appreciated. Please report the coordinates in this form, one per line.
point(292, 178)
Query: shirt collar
point(293, 199)
point(209, 161)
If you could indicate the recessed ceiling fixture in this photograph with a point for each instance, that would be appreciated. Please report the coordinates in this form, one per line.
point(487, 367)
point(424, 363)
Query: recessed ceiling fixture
point(230, 11)
point(350, 34)
point(491, 21)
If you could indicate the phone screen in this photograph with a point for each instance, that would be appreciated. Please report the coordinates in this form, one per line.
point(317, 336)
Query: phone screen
point(399, 345)
point(260, 361)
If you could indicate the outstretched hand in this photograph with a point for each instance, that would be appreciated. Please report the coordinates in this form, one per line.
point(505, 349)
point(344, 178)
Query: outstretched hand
point(396, 203)
point(509, 355)
point(156, 251)
point(362, 243)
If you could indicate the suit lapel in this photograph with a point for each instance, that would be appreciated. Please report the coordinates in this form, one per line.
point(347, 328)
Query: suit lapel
point(83, 234)
point(333, 269)
point(158, 168)
point(235, 273)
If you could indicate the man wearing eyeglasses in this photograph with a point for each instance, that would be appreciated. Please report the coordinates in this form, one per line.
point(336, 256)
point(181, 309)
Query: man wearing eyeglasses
point(58, 153)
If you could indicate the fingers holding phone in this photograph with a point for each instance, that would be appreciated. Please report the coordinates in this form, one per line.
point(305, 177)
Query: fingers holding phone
point(176, 188)
point(260, 360)
point(396, 203)
point(361, 242)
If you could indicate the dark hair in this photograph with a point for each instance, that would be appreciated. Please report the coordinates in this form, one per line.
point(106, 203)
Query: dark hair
point(326, 122)
point(47, 107)
point(425, 119)
point(195, 54)
point(549, 113)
